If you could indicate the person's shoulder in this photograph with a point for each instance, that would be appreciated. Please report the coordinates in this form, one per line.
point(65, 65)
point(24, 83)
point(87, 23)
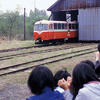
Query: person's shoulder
point(59, 95)
point(32, 98)
point(84, 90)
point(83, 94)
point(67, 95)
point(87, 89)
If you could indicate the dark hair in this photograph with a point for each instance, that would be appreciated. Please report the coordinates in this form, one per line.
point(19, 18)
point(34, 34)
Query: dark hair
point(90, 63)
point(59, 75)
point(82, 74)
point(40, 78)
point(97, 70)
point(99, 47)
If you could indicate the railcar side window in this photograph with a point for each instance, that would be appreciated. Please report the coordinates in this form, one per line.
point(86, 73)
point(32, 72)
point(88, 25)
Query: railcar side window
point(59, 26)
point(70, 26)
point(63, 26)
point(50, 26)
point(55, 25)
point(76, 26)
point(73, 26)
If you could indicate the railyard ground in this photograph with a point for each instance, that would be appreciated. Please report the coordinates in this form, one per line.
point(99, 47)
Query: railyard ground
point(14, 86)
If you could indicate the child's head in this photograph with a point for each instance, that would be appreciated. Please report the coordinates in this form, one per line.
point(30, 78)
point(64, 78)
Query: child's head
point(60, 75)
point(40, 78)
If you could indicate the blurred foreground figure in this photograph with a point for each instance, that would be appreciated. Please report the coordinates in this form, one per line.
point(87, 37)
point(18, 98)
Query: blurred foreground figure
point(97, 64)
point(85, 83)
point(41, 83)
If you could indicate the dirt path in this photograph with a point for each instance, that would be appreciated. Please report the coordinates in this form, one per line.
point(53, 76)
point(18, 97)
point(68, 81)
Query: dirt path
point(14, 92)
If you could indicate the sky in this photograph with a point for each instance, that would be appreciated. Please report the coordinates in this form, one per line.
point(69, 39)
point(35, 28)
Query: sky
point(28, 4)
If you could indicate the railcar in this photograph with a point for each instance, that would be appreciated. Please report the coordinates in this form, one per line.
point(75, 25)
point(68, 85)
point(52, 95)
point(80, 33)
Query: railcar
point(51, 31)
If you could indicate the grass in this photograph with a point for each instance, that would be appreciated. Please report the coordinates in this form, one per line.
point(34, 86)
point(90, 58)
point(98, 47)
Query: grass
point(15, 44)
point(31, 57)
point(21, 78)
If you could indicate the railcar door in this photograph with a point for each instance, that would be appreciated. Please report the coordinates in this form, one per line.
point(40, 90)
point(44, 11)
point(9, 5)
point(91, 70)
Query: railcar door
point(51, 31)
point(55, 31)
point(69, 27)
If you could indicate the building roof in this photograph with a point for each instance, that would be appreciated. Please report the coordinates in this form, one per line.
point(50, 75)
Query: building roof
point(65, 5)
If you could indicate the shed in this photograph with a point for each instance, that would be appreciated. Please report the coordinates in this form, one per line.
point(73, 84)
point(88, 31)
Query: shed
point(85, 12)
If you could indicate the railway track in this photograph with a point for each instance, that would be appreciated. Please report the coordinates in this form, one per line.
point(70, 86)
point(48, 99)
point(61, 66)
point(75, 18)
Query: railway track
point(29, 47)
point(22, 67)
point(36, 46)
point(33, 52)
point(37, 52)
point(16, 49)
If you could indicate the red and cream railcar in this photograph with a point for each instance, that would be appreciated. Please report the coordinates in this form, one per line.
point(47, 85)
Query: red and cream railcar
point(54, 30)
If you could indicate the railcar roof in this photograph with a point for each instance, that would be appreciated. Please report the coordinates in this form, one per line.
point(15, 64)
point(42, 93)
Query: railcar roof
point(50, 22)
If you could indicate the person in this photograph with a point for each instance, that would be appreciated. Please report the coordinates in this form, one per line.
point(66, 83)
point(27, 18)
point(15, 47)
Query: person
point(97, 70)
point(62, 82)
point(98, 56)
point(97, 63)
point(41, 84)
point(61, 75)
point(85, 83)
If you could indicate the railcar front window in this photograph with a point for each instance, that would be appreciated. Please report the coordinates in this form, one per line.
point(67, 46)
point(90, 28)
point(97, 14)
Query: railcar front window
point(45, 27)
point(35, 27)
point(40, 27)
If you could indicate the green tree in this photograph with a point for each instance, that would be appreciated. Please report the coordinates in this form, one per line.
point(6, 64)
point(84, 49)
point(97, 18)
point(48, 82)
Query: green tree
point(12, 23)
point(8, 20)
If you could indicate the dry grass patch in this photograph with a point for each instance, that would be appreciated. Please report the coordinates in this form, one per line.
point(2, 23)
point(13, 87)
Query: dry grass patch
point(15, 44)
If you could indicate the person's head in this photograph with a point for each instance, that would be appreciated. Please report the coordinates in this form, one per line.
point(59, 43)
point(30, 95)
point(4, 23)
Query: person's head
point(90, 63)
point(60, 75)
point(40, 78)
point(99, 47)
point(82, 74)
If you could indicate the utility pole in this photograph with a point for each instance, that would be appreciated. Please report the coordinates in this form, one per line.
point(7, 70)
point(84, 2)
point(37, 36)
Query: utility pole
point(34, 4)
point(35, 7)
point(24, 25)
